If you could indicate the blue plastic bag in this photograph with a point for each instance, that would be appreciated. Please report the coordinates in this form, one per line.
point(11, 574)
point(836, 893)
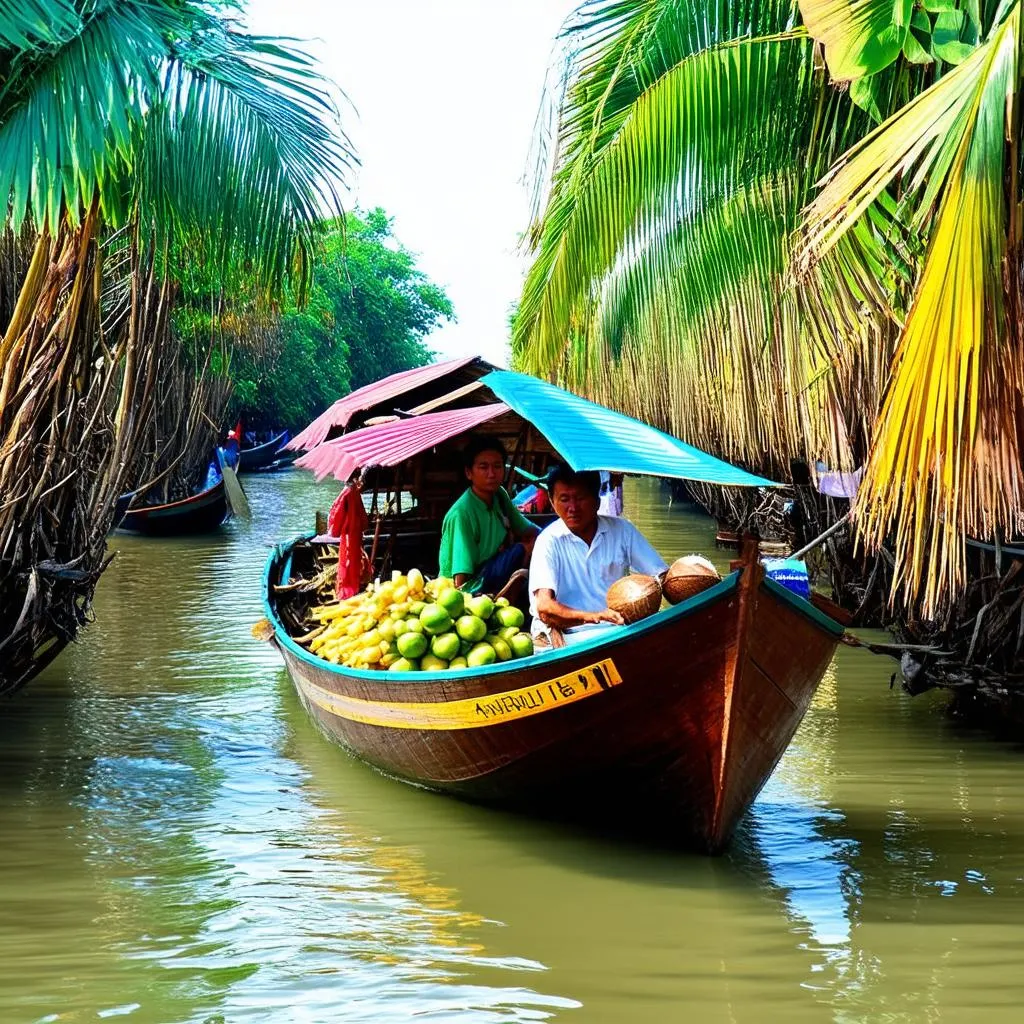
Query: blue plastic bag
point(791, 573)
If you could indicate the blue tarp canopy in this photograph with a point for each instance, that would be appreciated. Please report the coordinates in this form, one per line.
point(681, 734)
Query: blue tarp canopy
point(589, 436)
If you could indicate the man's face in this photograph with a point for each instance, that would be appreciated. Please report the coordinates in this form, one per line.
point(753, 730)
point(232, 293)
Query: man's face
point(487, 473)
point(575, 505)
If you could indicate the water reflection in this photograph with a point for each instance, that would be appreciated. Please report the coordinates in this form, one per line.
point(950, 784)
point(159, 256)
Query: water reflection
point(182, 845)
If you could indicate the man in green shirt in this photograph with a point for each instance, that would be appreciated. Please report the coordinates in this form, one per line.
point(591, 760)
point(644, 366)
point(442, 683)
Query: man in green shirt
point(485, 538)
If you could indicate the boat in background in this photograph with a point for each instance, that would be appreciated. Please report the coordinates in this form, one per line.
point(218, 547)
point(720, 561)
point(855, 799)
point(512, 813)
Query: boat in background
point(200, 513)
point(252, 460)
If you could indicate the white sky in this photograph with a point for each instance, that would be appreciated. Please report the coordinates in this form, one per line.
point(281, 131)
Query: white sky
point(447, 93)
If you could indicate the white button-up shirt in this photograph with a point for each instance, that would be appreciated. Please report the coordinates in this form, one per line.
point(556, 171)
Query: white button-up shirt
point(580, 574)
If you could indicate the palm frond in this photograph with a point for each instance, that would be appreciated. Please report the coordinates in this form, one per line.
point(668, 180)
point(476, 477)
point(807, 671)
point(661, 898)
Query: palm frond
point(917, 147)
point(224, 144)
point(944, 462)
point(28, 24)
point(709, 123)
point(860, 37)
point(66, 118)
point(242, 157)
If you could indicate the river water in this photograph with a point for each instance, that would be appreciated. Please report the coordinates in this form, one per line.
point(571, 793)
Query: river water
point(181, 845)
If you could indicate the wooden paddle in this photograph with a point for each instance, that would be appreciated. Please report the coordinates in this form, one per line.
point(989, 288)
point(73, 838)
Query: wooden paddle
point(233, 489)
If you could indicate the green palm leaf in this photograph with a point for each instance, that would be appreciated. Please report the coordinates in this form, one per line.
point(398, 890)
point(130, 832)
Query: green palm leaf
point(239, 158)
point(224, 143)
point(65, 119)
point(709, 123)
point(27, 24)
point(861, 37)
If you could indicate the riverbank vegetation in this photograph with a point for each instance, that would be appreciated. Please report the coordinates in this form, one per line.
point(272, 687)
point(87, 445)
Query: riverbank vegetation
point(136, 139)
point(367, 314)
point(794, 235)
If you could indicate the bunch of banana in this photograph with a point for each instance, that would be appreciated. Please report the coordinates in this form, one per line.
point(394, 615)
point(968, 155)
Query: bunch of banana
point(360, 631)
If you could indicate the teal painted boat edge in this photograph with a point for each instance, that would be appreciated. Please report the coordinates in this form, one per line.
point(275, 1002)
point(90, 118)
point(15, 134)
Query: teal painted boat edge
point(720, 590)
point(805, 608)
point(590, 436)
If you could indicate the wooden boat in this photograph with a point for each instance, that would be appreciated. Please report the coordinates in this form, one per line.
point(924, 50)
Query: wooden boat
point(250, 460)
point(200, 513)
point(668, 727)
point(283, 462)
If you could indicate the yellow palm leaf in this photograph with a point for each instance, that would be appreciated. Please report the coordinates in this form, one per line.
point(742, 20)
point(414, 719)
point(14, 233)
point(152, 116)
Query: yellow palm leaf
point(944, 463)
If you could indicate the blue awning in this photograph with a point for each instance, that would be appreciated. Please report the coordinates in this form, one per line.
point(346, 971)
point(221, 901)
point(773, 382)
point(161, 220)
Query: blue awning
point(589, 436)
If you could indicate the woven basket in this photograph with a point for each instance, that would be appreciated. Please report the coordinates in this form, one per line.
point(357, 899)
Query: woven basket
point(687, 577)
point(635, 597)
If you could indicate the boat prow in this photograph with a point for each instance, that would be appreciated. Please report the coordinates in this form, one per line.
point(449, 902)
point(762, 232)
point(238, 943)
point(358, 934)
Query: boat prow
point(668, 727)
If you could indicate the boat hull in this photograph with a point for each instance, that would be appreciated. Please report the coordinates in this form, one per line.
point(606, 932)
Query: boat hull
point(669, 728)
point(201, 513)
point(251, 460)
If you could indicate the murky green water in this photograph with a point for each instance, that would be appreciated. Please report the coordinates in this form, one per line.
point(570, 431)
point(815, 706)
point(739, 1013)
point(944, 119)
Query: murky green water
point(180, 844)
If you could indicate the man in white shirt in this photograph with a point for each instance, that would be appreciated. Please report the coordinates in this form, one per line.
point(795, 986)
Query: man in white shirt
point(576, 559)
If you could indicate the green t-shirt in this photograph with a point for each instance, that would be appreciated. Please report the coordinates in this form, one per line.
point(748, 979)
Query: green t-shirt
point(473, 533)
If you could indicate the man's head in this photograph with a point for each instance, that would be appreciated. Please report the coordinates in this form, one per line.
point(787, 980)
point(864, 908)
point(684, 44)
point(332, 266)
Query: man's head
point(484, 463)
point(576, 497)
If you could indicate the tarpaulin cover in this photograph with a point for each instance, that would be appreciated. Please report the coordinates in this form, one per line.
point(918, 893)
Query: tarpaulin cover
point(589, 436)
point(389, 444)
point(339, 414)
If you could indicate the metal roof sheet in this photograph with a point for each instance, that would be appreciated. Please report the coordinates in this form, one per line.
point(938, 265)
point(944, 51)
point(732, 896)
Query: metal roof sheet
point(389, 444)
point(342, 411)
point(589, 436)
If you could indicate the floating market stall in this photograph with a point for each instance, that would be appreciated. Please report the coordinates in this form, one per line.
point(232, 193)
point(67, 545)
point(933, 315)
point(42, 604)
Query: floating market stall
point(669, 725)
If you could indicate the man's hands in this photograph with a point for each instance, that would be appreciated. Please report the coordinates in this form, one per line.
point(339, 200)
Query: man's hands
point(553, 613)
point(605, 616)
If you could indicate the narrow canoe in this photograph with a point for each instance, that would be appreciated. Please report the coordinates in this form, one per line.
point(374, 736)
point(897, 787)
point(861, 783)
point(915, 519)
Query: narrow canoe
point(668, 727)
point(200, 513)
point(252, 459)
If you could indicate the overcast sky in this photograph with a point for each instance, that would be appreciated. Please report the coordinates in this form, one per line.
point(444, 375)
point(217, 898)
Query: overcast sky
point(446, 95)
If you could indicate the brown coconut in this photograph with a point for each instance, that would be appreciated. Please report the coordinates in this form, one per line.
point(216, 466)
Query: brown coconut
point(635, 597)
point(688, 576)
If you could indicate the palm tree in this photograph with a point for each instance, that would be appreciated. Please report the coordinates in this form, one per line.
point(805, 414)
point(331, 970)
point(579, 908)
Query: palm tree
point(135, 136)
point(731, 241)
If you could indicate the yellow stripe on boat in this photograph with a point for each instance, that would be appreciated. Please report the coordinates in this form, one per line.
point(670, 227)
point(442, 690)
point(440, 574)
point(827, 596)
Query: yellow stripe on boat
point(473, 712)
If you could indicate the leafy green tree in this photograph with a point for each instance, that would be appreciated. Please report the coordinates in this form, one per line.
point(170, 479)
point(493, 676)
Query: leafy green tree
point(368, 315)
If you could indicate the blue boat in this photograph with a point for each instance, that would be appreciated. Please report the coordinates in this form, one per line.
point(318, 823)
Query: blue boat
point(251, 460)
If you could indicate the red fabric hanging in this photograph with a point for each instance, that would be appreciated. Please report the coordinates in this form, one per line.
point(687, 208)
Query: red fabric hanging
point(347, 521)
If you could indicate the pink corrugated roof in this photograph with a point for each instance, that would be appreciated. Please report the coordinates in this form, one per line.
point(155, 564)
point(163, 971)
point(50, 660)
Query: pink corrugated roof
point(388, 444)
point(339, 414)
